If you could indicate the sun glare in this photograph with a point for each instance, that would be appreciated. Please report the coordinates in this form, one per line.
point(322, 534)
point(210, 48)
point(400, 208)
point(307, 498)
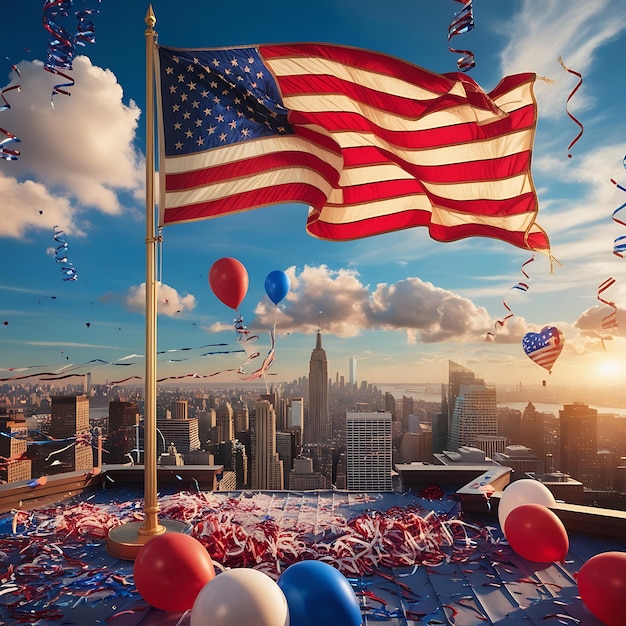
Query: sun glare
point(609, 369)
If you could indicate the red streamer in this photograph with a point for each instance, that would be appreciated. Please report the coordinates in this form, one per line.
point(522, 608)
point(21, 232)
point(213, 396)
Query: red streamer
point(610, 320)
point(580, 82)
point(521, 286)
point(463, 22)
point(6, 153)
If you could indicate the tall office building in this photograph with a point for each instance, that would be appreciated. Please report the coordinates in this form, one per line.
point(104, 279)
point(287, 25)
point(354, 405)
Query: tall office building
point(368, 451)
point(70, 418)
point(183, 434)
point(225, 424)
point(180, 410)
point(266, 471)
point(578, 441)
point(457, 376)
point(296, 414)
point(242, 418)
point(13, 447)
point(122, 438)
point(352, 371)
point(390, 405)
point(532, 433)
point(475, 414)
point(317, 426)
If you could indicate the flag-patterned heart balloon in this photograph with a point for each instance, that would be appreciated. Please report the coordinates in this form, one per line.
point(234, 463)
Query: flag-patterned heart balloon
point(544, 347)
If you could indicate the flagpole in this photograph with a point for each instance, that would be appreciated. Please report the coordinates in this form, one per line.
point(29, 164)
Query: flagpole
point(125, 541)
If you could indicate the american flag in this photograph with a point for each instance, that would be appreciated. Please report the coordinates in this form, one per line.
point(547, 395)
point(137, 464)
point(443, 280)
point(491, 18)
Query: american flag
point(544, 347)
point(370, 143)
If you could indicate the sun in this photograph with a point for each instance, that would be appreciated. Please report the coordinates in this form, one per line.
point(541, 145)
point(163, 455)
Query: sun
point(610, 369)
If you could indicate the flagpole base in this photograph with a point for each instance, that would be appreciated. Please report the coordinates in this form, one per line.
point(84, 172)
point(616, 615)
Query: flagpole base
point(125, 541)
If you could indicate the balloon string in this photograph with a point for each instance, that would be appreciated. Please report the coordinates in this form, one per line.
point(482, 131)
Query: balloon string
point(521, 286)
point(6, 153)
point(580, 82)
point(463, 22)
point(610, 320)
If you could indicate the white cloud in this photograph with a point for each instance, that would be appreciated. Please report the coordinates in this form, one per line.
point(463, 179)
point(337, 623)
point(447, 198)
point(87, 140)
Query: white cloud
point(541, 32)
point(81, 148)
point(169, 301)
point(345, 307)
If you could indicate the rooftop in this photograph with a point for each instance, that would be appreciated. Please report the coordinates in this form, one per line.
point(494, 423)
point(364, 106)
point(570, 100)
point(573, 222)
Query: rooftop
point(411, 560)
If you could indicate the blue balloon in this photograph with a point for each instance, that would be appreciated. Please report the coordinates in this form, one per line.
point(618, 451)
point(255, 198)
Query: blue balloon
point(277, 285)
point(319, 594)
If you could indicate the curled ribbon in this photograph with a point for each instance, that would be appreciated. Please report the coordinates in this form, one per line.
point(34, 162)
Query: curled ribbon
point(62, 45)
point(6, 153)
point(610, 320)
point(619, 245)
point(521, 286)
point(60, 256)
point(580, 82)
point(463, 22)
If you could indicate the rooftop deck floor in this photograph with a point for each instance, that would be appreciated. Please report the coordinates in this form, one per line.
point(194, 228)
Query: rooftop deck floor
point(55, 568)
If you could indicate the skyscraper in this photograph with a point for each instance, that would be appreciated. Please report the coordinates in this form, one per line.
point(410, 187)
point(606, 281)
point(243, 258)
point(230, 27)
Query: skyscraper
point(352, 371)
point(457, 376)
point(266, 470)
point(578, 441)
point(532, 433)
point(368, 451)
point(70, 418)
point(225, 422)
point(122, 437)
point(475, 414)
point(296, 414)
point(317, 426)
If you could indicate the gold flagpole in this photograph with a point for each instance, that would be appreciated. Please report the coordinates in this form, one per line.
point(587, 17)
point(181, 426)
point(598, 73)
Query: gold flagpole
point(125, 541)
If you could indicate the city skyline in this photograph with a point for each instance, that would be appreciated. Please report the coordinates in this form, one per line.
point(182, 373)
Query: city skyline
point(401, 305)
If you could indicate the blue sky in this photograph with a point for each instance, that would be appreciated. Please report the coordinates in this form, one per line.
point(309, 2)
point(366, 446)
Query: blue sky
point(82, 170)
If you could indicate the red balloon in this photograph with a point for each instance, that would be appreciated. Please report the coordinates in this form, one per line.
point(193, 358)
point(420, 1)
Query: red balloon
point(536, 533)
point(228, 278)
point(602, 586)
point(171, 569)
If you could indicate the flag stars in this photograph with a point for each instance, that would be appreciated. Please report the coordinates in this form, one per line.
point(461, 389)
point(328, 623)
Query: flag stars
point(173, 88)
point(195, 104)
point(181, 78)
point(216, 63)
point(186, 115)
point(176, 108)
point(178, 145)
point(222, 137)
point(169, 70)
point(198, 123)
point(191, 85)
point(191, 68)
point(208, 111)
point(200, 141)
point(234, 62)
point(188, 134)
point(233, 124)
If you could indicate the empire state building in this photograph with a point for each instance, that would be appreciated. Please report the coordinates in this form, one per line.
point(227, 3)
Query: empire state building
point(317, 426)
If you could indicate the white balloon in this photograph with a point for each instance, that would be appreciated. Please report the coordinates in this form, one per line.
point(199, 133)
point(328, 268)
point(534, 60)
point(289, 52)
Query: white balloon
point(240, 596)
point(524, 491)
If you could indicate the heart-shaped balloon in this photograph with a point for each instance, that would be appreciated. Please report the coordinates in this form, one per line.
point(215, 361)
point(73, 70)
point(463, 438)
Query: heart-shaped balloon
point(544, 347)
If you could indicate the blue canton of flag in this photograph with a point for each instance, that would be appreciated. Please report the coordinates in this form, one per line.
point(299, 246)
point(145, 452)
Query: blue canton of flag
point(212, 98)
